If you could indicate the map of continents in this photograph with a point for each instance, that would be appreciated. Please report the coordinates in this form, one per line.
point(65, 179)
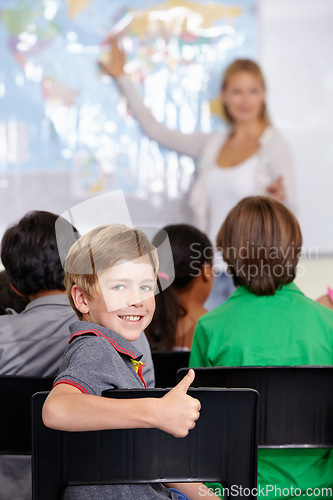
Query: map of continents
point(59, 113)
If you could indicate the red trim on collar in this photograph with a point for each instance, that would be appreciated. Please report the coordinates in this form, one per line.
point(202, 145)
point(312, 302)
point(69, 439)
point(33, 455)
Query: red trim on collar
point(74, 384)
point(140, 373)
point(100, 334)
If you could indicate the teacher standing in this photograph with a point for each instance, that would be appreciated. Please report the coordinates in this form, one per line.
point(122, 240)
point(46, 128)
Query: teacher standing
point(248, 158)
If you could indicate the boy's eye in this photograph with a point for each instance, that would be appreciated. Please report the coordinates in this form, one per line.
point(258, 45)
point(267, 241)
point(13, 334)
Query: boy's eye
point(118, 287)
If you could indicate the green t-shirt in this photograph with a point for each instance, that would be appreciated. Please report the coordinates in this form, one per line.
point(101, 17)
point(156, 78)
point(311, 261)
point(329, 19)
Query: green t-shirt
point(284, 329)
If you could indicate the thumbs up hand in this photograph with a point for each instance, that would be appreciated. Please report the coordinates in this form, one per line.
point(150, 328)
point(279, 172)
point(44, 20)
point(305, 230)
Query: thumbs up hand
point(179, 411)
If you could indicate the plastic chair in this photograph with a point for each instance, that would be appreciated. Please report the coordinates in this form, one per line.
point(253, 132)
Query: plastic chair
point(296, 402)
point(166, 365)
point(222, 447)
point(15, 417)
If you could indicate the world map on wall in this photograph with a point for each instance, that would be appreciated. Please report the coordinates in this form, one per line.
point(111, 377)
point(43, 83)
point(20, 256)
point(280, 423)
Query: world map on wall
point(58, 112)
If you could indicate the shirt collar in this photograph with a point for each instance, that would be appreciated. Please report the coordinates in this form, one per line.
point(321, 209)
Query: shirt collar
point(122, 345)
point(242, 290)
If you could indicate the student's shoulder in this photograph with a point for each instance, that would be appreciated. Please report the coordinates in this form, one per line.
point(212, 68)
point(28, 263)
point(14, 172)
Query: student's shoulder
point(84, 335)
point(11, 324)
point(322, 309)
point(93, 336)
point(213, 317)
point(309, 305)
point(85, 348)
point(86, 329)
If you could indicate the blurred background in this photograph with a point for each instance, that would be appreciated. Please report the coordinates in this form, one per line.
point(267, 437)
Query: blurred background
point(66, 134)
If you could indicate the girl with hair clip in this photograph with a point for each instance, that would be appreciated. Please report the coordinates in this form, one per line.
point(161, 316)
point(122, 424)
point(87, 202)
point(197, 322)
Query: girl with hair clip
point(179, 306)
point(247, 158)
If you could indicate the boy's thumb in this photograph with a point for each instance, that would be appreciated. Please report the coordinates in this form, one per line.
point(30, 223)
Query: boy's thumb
point(185, 383)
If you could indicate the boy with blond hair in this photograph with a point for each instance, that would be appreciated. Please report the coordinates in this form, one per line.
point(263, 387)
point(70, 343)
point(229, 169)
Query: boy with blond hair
point(110, 277)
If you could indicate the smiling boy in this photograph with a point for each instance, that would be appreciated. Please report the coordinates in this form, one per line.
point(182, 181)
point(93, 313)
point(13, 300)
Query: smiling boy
point(124, 301)
point(110, 277)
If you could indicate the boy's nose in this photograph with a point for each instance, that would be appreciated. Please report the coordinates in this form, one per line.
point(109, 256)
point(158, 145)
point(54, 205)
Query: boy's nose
point(135, 298)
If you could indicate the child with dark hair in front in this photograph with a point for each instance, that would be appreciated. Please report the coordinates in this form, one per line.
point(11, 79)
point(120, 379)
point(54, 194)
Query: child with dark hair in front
point(268, 321)
point(110, 277)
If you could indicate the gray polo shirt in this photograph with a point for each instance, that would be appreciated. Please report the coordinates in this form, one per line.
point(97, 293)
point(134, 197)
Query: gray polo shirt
point(32, 343)
point(98, 359)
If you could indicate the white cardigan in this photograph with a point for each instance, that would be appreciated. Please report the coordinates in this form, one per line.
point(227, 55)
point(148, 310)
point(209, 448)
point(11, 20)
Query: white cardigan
point(274, 155)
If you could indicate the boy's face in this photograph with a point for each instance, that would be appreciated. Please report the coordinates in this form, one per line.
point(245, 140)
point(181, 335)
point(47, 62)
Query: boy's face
point(124, 301)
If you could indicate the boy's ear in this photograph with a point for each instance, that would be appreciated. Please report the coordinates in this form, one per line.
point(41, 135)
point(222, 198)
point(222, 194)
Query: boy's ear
point(80, 299)
point(207, 271)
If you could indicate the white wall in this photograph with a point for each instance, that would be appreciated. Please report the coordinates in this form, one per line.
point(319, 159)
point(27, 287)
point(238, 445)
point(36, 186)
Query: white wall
point(296, 52)
point(314, 275)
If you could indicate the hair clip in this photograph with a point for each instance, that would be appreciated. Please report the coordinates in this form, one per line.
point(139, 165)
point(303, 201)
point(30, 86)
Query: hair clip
point(330, 293)
point(166, 277)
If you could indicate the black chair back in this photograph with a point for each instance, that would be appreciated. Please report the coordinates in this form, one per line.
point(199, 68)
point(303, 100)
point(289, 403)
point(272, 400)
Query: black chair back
point(15, 415)
point(296, 402)
point(166, 365)
point(222, 447)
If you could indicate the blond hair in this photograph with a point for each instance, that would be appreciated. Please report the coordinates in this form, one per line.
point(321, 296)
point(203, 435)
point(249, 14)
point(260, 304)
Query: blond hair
point(238, 66)
point(98, 251)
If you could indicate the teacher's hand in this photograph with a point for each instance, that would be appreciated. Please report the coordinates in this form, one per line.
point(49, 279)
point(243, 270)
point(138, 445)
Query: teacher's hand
point(276, 189)
point(113, 62)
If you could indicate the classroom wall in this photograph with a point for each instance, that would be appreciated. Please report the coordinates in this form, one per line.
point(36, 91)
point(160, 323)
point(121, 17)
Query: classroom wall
point(296, 40)
point(314, 275)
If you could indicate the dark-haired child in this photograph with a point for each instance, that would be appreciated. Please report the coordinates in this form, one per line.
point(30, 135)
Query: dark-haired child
point(179, 306)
